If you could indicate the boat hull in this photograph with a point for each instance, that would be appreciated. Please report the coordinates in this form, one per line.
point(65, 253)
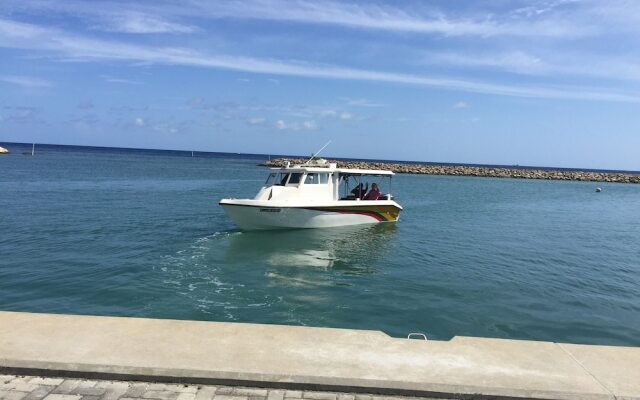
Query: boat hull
point(260, 217)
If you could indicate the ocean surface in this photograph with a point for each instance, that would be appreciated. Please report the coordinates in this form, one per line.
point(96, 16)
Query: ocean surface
point(140, 233)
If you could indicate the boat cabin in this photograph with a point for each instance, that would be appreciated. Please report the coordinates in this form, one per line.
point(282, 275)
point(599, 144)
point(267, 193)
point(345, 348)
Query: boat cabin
point(323, 184)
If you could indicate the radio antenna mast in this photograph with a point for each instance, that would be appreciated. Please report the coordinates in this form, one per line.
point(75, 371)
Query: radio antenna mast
point(317, 152)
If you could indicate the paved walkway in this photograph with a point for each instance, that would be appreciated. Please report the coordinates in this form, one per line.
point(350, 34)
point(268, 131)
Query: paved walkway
point(14, 387)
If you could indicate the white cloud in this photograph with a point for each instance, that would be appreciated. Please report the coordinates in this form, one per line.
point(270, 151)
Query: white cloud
point(25, 81)
point(88, 49)
point(328, 113)
point(112, 79)
point(346, 115)
point(257, 121)
point(461, 104)
point(361, 102)
point(308, 125)
point(516, 61)
point(133, 22)
point(139, 122)
point(416, 19)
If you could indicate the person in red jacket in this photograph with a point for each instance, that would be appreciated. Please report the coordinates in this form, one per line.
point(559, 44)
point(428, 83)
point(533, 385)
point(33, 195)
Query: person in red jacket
point(374, 193)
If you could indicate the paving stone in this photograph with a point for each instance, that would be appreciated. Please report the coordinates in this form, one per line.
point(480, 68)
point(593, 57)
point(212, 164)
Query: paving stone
point(12, 395)
point(39, 393)
point(6, 378)
point(20, 384)
point(186, 396)
point(182, 388)
point(206, 393)
point(90, 398)
point(345, 396)
point(244, 391)
point(319, 395)
point(89, 391)
point(224, 390)
point(136, 390)
point(364, 397)
point(66, 387)
point(46, 381)
point(87, 384)
point(59, 396)
point(227, 397)
point(160, 394)
point(113, 390)
point(296, 394)
point(275, 394)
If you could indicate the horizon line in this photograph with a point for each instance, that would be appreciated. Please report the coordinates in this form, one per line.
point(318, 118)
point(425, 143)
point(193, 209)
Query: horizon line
point(516, 166)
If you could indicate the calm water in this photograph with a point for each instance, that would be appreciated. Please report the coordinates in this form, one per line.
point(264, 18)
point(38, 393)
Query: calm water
point(141, 234)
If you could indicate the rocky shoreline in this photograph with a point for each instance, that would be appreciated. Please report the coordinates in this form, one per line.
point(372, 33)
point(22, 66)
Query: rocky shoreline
point(462, 170)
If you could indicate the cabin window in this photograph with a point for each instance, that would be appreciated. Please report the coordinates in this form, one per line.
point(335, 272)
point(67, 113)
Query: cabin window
point(271, 179)
point(295, 178)
point(323, 178)
point(280, 179)
point(311, 179)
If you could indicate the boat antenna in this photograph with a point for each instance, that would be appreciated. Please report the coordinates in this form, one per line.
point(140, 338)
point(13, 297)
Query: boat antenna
point(317, 152)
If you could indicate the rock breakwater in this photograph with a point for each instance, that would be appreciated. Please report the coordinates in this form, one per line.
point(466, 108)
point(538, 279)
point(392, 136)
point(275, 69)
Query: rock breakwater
point(464, 170)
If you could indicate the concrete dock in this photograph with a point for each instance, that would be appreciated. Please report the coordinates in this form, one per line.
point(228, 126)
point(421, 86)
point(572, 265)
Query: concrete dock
point(302, 358)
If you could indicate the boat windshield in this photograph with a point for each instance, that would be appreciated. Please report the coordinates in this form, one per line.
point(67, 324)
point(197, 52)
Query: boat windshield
point(283, 178)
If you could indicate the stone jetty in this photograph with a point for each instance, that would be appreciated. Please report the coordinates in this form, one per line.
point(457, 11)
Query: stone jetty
point(465, 170)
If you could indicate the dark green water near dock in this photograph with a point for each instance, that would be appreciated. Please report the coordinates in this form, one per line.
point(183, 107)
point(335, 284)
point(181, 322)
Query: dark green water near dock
point(114, 232)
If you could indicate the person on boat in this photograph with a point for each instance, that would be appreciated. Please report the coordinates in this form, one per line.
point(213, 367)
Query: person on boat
point(374, 193)
point(360, 190)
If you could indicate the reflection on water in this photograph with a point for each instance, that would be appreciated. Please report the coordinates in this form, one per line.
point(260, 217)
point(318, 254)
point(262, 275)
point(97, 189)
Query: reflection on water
point(288, 270)
point(353, 248)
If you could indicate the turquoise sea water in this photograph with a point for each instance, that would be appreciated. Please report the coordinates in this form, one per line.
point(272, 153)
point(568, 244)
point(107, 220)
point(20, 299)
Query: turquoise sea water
point(125, 233)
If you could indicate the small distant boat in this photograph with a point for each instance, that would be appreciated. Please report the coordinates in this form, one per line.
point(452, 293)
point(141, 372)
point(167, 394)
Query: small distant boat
point(598, 190)
point(315, 195)
point(4, 151)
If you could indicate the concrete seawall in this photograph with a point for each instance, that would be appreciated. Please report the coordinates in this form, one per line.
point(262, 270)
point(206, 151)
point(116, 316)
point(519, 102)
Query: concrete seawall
point(312, 358)
point(462, 170)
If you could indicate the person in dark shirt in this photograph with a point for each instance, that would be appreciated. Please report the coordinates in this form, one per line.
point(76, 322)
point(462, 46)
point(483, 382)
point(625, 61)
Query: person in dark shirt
point(374, 193)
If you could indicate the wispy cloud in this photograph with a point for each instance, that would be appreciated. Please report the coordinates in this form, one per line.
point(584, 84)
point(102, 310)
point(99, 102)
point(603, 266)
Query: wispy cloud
point(25, 81)
point(565, 64)
point(461, 104)
point(380, 17)
point(361, 102)
point(89, 49)
point(296, 126)
point(256, 121)
point(134, 22)
point(554, 19)
point(112, 79)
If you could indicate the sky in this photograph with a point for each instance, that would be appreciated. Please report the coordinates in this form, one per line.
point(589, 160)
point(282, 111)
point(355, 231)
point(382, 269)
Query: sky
point(544, 83)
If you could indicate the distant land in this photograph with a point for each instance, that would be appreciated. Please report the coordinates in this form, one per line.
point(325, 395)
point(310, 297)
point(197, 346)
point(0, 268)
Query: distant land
point(403, 166)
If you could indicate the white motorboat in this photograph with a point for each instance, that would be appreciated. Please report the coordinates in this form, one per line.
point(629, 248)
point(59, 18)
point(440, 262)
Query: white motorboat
point(316, 195)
